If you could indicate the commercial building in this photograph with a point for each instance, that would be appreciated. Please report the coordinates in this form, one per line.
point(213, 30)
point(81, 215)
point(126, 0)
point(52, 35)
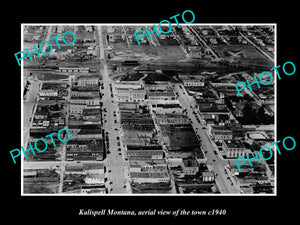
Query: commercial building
point(85, 131)
point(148, 165)
point(95, 179)
point(93, 189)
point(73, 70)
point(91, 114)
point(48, 93)
point(192, 80)
point(233, 148)
point(128, 85)
point(171, 119)
point(143, 130)
point(136, 152)
point(221, 133)
point(85, 168)
point(85, 149)
point(166, 108)
point(87, 100)
point(77, 108)
point(51, 89)
point(159, 85)
point(128, 107)
point(208, 176)
point(84, 91)
point(92, 80)
point(137, 117)
point(131, 95)
point(190, 166)
point(149, 177)
point(156, 96)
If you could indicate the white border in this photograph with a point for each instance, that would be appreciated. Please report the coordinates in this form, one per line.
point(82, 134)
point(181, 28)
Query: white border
point(149, 24)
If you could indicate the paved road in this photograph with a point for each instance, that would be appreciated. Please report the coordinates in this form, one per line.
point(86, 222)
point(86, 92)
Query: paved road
point(126, 36)
point(64, 145)
point(207, 145)
point(117, 167)
point(29, 108)
point(47, 38)
point(29, 103)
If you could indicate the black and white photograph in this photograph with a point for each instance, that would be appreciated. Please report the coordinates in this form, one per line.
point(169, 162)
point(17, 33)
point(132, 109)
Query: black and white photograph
point(160, 114)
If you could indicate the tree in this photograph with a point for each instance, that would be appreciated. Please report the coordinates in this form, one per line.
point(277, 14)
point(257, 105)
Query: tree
point(261, 116)
point(248, 114)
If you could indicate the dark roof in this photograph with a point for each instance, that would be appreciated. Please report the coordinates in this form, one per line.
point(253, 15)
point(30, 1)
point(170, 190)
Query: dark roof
point(133, 147)
point(90, 111)
point(234, 143)
point(84, 126)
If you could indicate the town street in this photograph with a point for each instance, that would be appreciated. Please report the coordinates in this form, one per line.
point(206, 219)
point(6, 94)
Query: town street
point(208, 147)
point(116, 165)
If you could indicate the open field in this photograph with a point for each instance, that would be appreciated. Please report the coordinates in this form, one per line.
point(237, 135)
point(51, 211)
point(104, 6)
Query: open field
point(122, 52)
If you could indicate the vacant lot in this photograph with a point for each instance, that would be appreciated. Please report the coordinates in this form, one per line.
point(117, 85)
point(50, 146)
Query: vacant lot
point(122, 52)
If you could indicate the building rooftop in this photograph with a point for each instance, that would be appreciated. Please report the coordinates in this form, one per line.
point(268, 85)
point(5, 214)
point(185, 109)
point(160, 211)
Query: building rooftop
point(214, 127)
point(89, 77)
point(54, 86)
point(141, 158)
point(91, 145)
point(85, 88)
point(90, 166)
point(174, 115)
point(166, 105)
point(82, 68)
point(183, 139)
point(83, 97)
point(90, 131)
point(160, 93)
point(91, 112)
point(234, 143)
point(190, 162)
point(207, 173)
point(143, 127)
point(77, 167)
point(148, 175)
point(125, 90)
point(211, 107)
point(95, 176)
point(84, 126)
point(133, 147)
point(140, 163)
